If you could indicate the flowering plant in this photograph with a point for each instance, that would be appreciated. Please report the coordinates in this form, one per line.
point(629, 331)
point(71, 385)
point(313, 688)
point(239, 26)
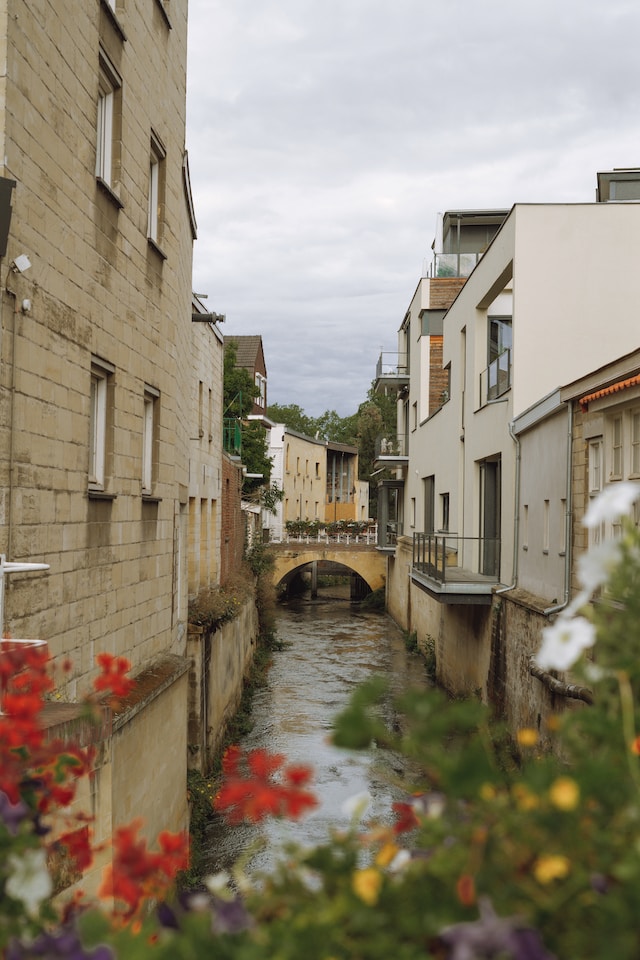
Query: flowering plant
point(496, 852)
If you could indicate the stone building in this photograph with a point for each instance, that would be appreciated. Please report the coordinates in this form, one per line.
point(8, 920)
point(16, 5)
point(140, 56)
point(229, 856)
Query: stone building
point(96, 339)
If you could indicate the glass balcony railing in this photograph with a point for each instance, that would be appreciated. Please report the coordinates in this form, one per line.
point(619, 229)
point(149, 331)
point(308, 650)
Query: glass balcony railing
point(392, 366)
point(391, 446)
point(496, 379)
point(453, 264)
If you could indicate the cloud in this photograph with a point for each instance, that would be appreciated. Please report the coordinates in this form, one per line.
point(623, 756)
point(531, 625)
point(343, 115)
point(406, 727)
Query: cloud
point(324, 139)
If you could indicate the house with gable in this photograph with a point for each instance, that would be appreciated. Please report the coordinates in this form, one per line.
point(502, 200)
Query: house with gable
point(478, 476)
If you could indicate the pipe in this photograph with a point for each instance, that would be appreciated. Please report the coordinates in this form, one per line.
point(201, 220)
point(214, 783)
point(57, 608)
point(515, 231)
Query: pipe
point(571, 690)
point(567, 523)
point(516, 515)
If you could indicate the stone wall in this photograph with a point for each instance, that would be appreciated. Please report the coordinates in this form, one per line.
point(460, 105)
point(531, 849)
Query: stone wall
point(219, 663)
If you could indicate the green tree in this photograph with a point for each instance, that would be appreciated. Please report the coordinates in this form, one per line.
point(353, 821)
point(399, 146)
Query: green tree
point(293, 417)
point(239, 392)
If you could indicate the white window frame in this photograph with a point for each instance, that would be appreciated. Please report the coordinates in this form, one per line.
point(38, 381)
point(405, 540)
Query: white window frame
point(149, 431)
point(617, 447)
point(155, 207)
point(261, 384)
point(634, 430)
point(98, 405)
point(109, 83)
point(595, 467)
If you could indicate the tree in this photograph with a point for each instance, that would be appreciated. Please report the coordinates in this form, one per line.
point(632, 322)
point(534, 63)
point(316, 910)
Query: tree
point(239, 392)
point(293, 417)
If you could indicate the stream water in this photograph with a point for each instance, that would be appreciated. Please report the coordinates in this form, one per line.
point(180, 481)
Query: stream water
point(331, 646)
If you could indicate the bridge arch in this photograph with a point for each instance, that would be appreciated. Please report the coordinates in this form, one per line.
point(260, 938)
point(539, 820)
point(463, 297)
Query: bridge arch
point(369, 564)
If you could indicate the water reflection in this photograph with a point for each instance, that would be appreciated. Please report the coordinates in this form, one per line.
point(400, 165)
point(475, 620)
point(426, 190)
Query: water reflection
point(331, 647)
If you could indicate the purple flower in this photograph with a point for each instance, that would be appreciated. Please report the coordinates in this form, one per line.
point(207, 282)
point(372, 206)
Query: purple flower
point(63, 943)
point(12, 813)
point(493, 937)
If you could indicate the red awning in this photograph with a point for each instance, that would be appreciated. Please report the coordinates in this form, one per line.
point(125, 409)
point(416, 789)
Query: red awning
point(607, 391)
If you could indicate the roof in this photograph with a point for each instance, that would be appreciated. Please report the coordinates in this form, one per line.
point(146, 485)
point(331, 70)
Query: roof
point(608, 391)
point(247, 349)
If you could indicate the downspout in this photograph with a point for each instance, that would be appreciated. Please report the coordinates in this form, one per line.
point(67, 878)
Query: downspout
point(567, 523)
point(516, 515)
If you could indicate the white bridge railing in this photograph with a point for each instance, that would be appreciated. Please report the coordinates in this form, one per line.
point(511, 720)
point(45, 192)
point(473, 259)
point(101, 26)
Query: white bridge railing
point(367, 537)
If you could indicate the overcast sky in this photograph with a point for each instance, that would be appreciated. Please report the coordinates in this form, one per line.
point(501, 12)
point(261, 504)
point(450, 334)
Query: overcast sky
point(324, 137)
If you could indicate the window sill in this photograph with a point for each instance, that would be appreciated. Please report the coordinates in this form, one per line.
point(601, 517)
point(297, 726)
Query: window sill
point(151, 498)
point(163, 11)
point(156, 247)
point(94, 493)
point(110, 193)
point(111, 14)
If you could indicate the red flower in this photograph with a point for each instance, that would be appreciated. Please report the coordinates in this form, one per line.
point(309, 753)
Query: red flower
point(135, 873)
point(250, 791)
point(114, 675)
point(406, 818)
point(78, 846)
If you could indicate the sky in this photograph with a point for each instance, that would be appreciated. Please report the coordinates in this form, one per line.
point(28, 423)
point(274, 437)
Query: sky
point(324, 139)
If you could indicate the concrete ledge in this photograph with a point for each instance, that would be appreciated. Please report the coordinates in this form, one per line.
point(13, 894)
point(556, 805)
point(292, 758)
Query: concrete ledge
point(149, 684)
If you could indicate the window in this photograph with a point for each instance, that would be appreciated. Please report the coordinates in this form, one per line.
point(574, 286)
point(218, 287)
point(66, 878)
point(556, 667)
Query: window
point(616, 448)
point(157, 165)
point(149, 439)
point(429, 486)
point(108, 124)
point(525, 526)
point(444, 502)
point(499, 343)
point(413, 511)
point(595, 482)
point(546, 526)
point(635, 443)
point(261, 384)
point(101, 374)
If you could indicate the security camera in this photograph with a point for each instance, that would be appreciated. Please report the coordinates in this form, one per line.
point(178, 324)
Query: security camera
point(21, 263)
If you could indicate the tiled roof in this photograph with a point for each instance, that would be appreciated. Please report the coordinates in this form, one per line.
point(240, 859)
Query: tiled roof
point(607, 391)
point(247, 350)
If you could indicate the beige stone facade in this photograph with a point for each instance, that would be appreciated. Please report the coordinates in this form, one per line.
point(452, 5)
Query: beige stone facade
point(93, 442)
point(96, 354)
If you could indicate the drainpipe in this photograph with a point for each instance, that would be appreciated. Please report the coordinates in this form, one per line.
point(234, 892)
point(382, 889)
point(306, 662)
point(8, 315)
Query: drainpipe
point(516, 515)
point(567, 523)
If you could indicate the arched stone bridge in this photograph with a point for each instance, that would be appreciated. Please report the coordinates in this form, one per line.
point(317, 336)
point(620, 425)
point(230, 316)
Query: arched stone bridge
point(364, 559)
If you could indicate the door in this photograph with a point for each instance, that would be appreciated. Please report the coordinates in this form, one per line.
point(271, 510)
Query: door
point(490, 495)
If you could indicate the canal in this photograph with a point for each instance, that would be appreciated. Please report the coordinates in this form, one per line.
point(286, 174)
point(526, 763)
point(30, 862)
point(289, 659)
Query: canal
point(330, 646)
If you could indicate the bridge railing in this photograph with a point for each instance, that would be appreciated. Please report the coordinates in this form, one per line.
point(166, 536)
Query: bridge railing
point(368, 536)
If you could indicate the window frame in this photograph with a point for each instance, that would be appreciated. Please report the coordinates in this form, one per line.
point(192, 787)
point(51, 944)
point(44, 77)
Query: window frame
point(108, 126)
point(156, 191)
point(100, 403)
point(150, 418)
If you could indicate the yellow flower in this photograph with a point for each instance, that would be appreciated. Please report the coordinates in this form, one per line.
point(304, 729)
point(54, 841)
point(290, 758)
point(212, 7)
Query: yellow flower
point(524, 798)
point(527, 737)
point(564, 793)
point(386, 854)
point(487, 791)
point(366, 885)
point(551, 867)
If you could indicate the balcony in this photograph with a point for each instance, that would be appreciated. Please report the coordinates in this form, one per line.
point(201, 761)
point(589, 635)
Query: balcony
point(391, 451)
point(496, 379)
point(232, 436)
point(453, 264)
point(455, 569)
point(392, 370)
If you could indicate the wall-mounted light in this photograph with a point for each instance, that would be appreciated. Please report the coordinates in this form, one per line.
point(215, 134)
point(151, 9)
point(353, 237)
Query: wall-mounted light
point(21, 263)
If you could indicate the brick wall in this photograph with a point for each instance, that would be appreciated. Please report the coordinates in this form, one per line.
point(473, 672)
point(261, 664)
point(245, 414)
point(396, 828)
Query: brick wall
point(438, 377)
point(232, 521)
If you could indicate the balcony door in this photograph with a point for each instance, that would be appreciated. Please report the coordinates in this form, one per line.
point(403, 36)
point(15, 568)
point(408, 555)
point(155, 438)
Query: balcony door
point(490, 496)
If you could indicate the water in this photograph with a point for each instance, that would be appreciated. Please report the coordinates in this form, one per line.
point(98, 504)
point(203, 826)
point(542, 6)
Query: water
point(331, 647)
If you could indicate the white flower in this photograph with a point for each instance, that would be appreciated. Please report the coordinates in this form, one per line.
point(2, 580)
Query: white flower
point(595, 566)
point(357, 806)
point(29, 880)
point(614, 501)
point(564, 641)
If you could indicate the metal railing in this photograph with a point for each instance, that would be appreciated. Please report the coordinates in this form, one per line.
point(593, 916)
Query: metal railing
point(392, 366)
point(447, 558)
point(391, 446)
point(232, 436)
point(496, 379)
